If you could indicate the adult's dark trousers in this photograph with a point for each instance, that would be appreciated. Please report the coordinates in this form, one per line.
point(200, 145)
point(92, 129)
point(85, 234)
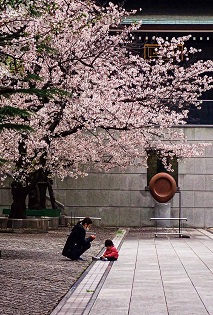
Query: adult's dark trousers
point(75, 252)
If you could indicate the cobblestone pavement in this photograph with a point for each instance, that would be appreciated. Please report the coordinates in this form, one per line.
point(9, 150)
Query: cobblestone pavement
point(34, 276)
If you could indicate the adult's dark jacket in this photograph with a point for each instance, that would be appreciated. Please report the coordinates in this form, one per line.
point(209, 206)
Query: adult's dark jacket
point(76, 242)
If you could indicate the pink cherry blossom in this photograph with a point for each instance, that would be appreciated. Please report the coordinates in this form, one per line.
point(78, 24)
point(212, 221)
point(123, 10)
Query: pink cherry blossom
point(117, 105)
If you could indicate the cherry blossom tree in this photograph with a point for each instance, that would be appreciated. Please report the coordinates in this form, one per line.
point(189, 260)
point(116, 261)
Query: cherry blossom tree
point(93, 103)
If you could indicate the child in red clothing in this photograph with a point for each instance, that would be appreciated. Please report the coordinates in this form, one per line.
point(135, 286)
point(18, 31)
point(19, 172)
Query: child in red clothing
point(110, 254)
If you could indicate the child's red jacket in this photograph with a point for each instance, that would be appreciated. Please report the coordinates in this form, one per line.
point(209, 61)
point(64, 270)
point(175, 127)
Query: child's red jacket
point(111, 252)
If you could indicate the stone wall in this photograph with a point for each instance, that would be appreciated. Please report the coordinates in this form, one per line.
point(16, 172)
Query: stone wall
point(121, 198)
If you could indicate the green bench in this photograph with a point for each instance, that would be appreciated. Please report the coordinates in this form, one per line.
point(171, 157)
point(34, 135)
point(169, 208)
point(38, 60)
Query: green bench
point(38, 213)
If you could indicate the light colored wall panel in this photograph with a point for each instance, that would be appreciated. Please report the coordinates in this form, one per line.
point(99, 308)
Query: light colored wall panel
point(87, 197)
point(187, 199)
point(60, 195)
point(203, 134)
point(146, 214)
point(119, 198)
point(209, 165)
point(189, 133)
point(175, 200)
point(208, 217)
point(83, 211)
point(196, 217)
point(76, 198)
point(110, 216)
point(200, 166)
point(209, 150)
point(193, 182)
point(137, 182)
point(175, 212)
point(186, 166)
point(209, 182)
point(141, 199)
point(67, 183)
point(130, 215)
point(5, 196)
point(203, 199)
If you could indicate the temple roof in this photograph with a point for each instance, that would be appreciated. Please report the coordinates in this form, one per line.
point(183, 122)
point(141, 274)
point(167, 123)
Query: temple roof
point(170, 19)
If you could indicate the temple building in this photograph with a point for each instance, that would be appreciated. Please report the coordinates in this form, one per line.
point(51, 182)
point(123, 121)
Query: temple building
point(169, 19)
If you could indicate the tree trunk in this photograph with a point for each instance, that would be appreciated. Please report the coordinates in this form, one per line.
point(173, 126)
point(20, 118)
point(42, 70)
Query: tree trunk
point(37, 197)
point(18, 207)
point(37, 192)
point(39, 183)
point(34, 198)
point(52, 197)
point(42, 187)
point(19, 193)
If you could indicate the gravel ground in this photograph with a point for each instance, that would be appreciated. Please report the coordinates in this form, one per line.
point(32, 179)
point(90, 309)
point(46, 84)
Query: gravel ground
point(34, 276)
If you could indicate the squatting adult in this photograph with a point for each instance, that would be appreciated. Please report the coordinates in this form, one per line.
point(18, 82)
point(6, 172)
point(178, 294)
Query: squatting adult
point(77, 243)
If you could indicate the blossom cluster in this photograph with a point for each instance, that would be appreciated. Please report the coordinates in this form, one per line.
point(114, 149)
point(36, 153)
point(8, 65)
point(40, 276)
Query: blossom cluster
point(93, 103)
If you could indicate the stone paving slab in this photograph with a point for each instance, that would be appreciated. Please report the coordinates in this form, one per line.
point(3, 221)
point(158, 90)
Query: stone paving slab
point(160, 276)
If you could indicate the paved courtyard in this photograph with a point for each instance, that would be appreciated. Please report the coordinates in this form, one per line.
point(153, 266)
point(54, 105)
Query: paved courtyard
point(166, 275)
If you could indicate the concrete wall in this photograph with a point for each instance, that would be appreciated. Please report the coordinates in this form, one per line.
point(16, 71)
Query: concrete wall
point(118, 198)
point(121, 199)
point(5, 195)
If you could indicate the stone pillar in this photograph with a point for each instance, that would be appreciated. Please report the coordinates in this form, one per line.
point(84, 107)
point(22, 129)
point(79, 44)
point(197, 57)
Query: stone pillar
point(163, 210)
